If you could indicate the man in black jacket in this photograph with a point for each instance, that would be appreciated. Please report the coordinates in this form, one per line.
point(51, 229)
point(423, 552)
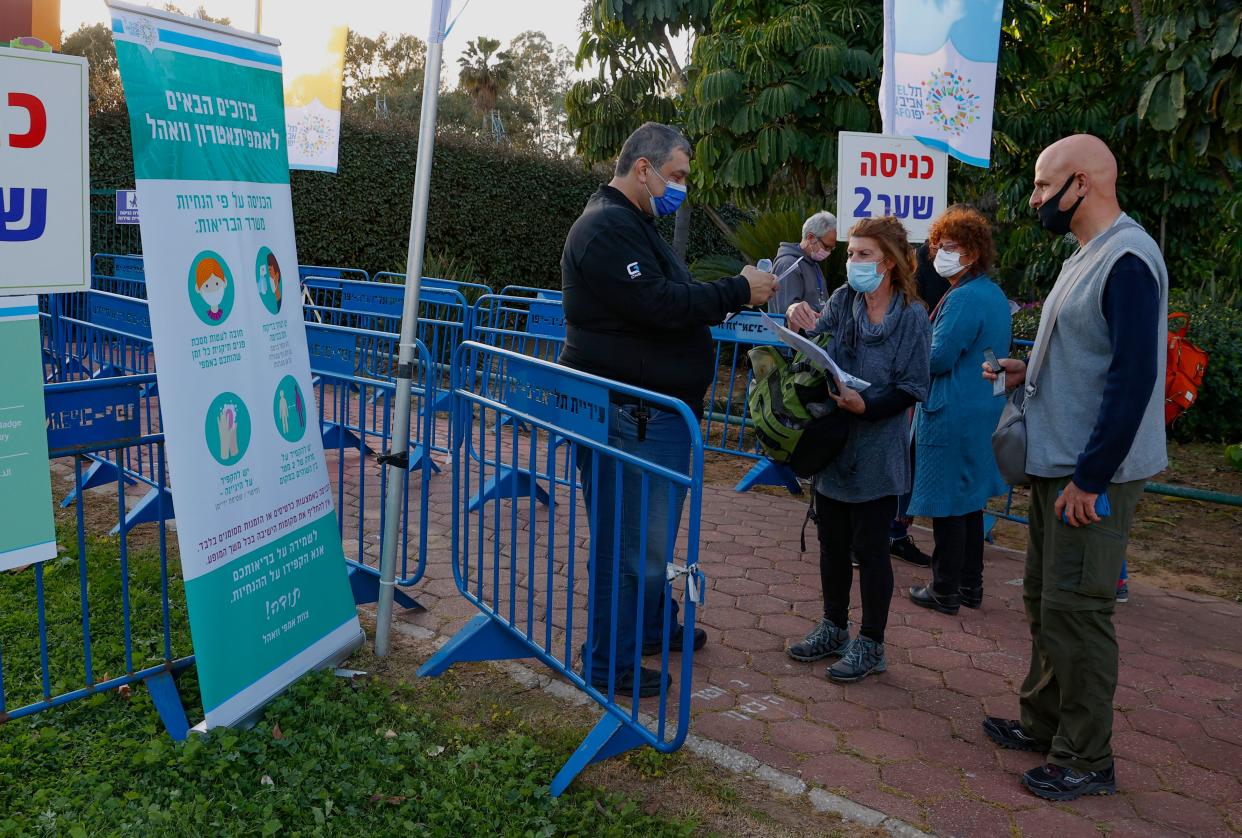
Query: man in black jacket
point(633, 314)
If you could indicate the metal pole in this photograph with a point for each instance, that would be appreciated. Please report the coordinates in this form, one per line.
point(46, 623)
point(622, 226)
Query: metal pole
point(397, 459)
point(258, 16)
point(889, 77)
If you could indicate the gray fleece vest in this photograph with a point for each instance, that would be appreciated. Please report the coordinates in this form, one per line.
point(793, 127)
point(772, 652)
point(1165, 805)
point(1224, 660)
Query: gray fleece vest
point(1070, 388)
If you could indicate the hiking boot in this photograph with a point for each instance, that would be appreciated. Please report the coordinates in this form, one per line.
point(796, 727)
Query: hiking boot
point(1123, 591)
point(1008, 733)
point(863, 657)
point(674, 642)
point(927, 598)
point(1055, 782)
point(824, 640)
point(648, 682)
point(971, 597)
point(905, 549)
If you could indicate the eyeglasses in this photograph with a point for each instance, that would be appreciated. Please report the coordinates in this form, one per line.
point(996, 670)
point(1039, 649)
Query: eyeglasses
point(949, 247)
point(825, 245)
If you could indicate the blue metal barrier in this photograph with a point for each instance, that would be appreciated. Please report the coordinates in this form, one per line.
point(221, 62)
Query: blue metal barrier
point(526, 573)
point(332, 272)
point(94, 418)
point(531, 291)
point(470, 290)
point(120, 266)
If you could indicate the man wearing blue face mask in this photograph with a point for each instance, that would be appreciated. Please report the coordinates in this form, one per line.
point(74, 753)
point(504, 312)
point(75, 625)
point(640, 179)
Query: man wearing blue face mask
point(633, 314)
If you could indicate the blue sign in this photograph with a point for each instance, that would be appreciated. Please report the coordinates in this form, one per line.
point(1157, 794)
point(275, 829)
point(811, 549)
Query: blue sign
point(104, 415)
point(126, 206)
point(373, 298)
point(745, 327)
point(332, 351)
point(559, 398)
point(120, 314)
point(546, 319)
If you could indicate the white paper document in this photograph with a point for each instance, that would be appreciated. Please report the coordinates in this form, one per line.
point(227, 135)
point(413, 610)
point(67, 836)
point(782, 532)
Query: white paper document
point(814, 353)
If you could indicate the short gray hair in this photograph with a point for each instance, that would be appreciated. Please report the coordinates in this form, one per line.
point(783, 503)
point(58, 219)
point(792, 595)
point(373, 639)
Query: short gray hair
point(819, 225)
point(652, 142)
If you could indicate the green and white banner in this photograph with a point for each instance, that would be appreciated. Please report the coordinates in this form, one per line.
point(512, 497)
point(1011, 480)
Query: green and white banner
point(265, 576)
point(28, 532)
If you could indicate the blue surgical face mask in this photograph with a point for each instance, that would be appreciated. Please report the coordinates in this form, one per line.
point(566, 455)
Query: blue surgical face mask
point(666, 204)
point(863, 276)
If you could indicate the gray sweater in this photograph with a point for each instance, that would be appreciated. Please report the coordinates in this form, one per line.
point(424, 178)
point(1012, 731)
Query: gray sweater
point(805, 282)
point(875, 462)
point(1062, 411)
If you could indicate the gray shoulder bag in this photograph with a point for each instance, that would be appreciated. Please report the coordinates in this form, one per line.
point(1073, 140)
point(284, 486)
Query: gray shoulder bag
point(1009, 438)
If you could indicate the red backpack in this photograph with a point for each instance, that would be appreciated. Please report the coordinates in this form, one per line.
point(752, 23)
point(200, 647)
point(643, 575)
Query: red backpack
point(1184, 371)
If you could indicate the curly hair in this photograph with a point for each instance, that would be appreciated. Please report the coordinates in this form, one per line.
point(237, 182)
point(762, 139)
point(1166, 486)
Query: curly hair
point(894, 243)
point(969, 229)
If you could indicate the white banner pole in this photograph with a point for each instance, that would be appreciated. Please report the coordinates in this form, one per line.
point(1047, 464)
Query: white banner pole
point(397, 458)
point(888, 77)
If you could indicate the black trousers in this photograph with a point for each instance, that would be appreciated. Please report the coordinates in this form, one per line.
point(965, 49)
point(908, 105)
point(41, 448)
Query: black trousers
point(862, 527)
point(957, 561)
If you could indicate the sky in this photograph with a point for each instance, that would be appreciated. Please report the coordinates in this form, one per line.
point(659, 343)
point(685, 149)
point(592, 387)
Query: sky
point(500, 19)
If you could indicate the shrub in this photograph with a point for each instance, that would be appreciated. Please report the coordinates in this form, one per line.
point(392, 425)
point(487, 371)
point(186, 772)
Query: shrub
point(505, 212)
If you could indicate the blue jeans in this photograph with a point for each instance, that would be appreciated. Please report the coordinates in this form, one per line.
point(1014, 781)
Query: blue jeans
point(641, 567)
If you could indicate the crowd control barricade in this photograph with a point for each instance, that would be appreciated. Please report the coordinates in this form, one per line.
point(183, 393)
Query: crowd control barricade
point(727, 428)
point(122, 266)
point(355, 415)
point(529, 326)
point(531, 291)
point(522, 565)
point(63, 637)
point(332, 272)
point(470, 290)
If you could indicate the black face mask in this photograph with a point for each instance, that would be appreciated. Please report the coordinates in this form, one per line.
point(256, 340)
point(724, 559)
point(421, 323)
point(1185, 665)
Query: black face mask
point(1055, 219)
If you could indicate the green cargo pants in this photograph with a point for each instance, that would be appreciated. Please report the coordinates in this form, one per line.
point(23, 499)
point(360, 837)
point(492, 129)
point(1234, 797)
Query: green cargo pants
point(1070, 587)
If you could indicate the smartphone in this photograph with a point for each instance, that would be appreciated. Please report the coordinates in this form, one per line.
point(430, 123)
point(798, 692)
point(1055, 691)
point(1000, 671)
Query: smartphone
point(1102, 507)
point(998, 386)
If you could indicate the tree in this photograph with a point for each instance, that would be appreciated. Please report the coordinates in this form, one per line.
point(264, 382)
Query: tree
point(486, 72)
point(540, 81)
point(384, 69)
point(104, 80)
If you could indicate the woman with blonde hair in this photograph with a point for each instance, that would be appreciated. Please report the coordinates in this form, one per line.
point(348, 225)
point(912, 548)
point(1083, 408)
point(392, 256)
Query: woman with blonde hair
point(880, 334)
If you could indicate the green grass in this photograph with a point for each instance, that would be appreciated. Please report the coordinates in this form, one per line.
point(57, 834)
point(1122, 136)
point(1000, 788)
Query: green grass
point(351, 758)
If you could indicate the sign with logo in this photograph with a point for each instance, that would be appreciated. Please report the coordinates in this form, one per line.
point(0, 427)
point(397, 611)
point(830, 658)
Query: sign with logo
point(27, 529)
point(265, 575)
point(944, 67)
point(882, 175)
point(127, 206)
point(44, 158)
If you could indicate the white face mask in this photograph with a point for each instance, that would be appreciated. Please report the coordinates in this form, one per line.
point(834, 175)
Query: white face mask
point(212, 292)
point(948, 264)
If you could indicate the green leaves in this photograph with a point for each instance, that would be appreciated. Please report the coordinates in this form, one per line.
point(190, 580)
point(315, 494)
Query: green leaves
point(1163, 102)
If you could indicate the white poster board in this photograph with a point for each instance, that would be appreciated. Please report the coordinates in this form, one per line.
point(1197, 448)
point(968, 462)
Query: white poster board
point(882, 175)
point(44, 173)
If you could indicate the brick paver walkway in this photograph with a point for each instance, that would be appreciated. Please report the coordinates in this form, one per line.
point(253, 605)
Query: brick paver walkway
point(908, 742)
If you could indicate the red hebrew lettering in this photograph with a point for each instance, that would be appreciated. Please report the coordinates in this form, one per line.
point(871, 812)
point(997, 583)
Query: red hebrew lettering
point(38, 120)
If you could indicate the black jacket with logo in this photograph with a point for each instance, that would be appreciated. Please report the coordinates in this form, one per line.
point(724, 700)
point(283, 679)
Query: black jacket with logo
point(632, 311)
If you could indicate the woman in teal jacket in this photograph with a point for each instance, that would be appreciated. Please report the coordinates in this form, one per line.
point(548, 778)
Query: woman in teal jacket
point(955, 472)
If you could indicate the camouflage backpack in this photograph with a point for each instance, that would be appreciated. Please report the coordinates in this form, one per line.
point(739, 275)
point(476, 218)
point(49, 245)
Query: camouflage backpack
point(795, 420)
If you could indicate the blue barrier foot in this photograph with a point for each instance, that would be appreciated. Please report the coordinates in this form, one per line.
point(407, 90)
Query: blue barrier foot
point(337, 436)
point(767, 473)
point(509, 483)
point(512, 420)
point(365, 586)
point(607, 739)
point(443, 402)
point(419, 458)
point(481, 639)
point(168, 704)
point(101, 473)
point(989, 522)
point(147, 511)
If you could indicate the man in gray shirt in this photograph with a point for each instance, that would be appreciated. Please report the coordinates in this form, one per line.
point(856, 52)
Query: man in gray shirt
point(806, 281)
point(1095, 433)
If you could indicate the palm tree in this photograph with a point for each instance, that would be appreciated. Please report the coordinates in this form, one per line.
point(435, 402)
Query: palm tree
point(486, 71)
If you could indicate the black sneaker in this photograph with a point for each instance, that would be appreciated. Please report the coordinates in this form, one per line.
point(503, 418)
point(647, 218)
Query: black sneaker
point(927, 598)
point(1054, 782)
point(1008, 733)
point(863, 657)
point(674, 642)
point(905, 549)
point(971, 597)
point(648, 682)
point(824, 640)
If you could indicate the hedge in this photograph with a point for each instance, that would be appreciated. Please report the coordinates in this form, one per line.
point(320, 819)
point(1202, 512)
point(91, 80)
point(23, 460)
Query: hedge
point(1217, 330)
point(504, 211)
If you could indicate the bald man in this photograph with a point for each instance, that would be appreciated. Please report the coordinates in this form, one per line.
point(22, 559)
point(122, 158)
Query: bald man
point(1095, 433)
